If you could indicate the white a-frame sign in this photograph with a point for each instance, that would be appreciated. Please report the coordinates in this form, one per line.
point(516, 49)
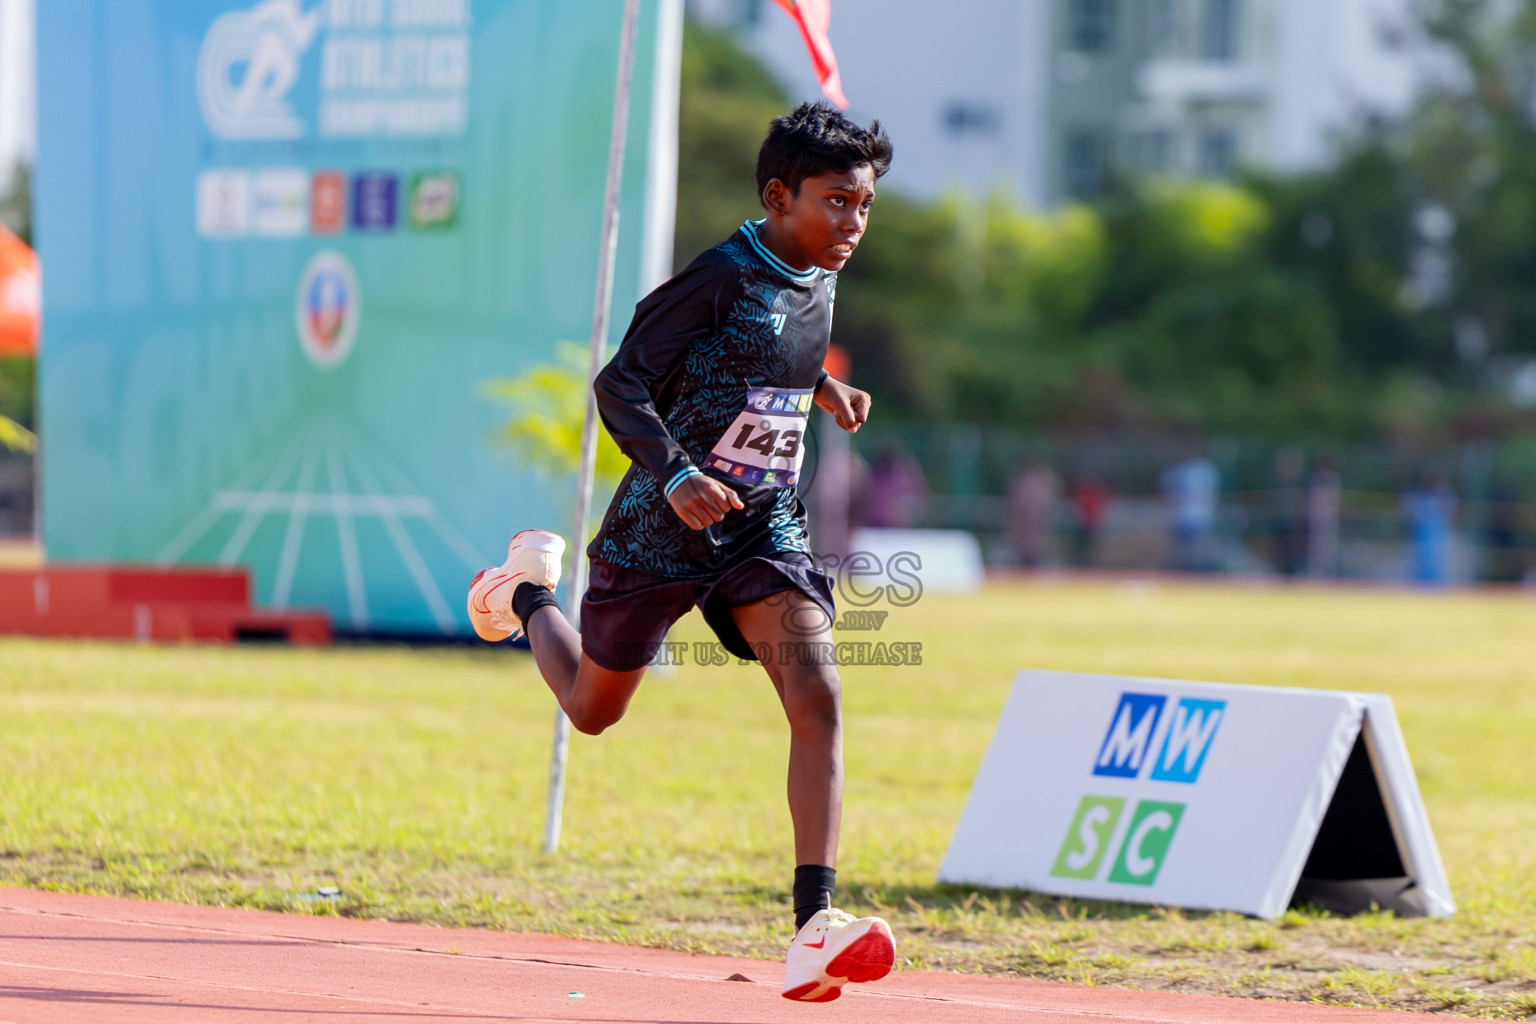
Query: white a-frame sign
point(1199, 795)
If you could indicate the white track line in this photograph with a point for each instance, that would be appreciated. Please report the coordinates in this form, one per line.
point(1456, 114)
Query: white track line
point(351, 565)
point(253, 515)
point(315, 503)
point(293, 540)
point(204, 520)
point(449, 533)
point(406, 548)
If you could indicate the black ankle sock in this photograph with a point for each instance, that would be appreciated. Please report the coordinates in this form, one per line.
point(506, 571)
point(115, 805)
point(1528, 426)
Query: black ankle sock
point(813, 891)
point(529, 598)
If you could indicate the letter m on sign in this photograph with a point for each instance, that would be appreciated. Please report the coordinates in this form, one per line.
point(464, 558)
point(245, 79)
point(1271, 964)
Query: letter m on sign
point(1130, 735)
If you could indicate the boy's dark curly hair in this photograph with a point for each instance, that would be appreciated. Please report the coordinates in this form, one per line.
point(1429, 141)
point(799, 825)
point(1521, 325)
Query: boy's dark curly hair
point(817, 139)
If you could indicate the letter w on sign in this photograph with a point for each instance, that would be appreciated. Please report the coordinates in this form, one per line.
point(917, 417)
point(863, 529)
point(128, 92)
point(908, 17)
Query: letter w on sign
point(1189, 738)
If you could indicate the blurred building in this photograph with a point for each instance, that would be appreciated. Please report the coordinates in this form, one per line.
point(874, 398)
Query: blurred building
point(1192, 88)
point(1055, 99)
point(17, 104)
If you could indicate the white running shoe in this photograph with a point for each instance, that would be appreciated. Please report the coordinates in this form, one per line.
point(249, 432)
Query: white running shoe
point(532, 557)
point(833, 949)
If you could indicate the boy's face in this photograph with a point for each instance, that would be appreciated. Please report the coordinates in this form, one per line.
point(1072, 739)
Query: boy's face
point(823, 224)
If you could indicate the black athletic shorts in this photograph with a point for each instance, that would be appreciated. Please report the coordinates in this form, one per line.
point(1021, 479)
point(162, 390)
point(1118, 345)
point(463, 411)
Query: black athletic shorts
point(625, 613)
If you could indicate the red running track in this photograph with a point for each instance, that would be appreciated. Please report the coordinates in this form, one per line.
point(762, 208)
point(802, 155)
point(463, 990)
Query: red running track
point(104, 961)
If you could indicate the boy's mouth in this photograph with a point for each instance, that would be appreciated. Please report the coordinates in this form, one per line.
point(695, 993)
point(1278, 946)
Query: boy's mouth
point(844, 249)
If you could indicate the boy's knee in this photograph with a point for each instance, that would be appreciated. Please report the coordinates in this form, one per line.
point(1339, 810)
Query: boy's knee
point(814, 699)
point(592, 721)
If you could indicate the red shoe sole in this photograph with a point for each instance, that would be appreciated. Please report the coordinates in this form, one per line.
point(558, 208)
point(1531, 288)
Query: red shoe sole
point(870, 958)
point(799, 993)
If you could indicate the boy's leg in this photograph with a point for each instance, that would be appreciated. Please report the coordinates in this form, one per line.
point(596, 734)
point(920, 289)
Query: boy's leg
point(830, 948)
point(812, 697)
point(628, 609)
point(593, 697)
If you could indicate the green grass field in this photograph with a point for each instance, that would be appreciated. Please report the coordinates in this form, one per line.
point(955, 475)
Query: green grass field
point(415, 781)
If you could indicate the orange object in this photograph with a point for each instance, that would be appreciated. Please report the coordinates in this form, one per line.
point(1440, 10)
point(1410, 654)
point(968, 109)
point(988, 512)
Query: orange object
point(21, 296)
point(837, 363)
point(814, 18)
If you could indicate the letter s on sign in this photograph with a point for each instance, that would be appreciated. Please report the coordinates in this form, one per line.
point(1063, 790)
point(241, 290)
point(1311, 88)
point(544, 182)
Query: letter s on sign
point(1088, 835)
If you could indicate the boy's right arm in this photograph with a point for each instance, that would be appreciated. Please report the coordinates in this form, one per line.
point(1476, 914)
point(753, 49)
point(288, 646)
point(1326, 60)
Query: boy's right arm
point(666, 322)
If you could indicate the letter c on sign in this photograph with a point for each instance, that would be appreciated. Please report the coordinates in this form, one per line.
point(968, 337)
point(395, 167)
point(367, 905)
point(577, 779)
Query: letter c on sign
point(1135, 863)
point(1088, 835)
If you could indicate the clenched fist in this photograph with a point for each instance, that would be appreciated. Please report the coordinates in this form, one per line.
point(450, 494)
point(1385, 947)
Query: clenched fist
point(701, 501)
point(848, 405)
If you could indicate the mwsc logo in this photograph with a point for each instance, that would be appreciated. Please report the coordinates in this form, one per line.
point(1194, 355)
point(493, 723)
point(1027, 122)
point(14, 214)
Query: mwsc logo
point(1132, 730)
point(1124, 754)
point(248, 64)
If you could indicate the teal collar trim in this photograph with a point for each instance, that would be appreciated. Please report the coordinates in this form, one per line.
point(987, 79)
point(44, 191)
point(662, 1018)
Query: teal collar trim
point(750, 230)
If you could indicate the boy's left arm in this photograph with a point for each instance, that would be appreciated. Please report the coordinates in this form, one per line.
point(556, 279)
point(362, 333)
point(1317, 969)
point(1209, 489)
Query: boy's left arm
point(848, 405)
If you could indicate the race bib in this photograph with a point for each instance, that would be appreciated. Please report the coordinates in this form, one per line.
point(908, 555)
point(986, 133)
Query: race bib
point(766, 443)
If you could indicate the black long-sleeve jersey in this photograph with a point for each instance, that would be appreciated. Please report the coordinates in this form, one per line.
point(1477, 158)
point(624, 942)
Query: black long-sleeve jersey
point(715, 375)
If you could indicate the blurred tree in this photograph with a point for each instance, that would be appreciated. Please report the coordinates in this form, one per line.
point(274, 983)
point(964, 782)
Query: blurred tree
point(18, 389)
point(1473, 146)
point(726, 102)
point(1158, 305)
point(15, 436)
point(1303, 305)
point(548, 408)
point(17, 403)
point(18, 375)
point(16, 203)
point(1349, 233)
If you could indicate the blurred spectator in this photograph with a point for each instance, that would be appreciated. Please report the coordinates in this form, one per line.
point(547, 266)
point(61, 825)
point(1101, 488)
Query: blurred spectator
point(1031, 512)
point(1190, 488)
point(1089, 497)
point(831, 486)
point(895, 491)
point(1429, 507)
point(1288, 512)
point(1506, 549)
point(1325, 500)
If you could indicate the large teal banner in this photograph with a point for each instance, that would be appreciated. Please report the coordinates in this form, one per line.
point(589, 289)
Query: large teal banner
point(285, 243)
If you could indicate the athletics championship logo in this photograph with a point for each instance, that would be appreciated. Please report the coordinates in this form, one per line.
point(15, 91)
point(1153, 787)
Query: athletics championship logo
point(249, 62)
point(328, 309)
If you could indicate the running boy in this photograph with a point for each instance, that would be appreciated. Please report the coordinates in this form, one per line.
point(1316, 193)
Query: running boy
point(709, 395)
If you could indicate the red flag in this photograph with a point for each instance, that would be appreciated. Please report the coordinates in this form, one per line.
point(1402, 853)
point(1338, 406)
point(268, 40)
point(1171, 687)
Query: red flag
point(813, 17)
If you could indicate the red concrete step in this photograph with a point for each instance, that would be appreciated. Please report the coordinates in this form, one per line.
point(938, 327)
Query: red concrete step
point(112, 584)
point(147, 603)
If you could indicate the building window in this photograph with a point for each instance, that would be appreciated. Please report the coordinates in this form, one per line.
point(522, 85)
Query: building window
point(1092, 24)
point(1084, 162)
point(970, 117)
point(1164, 27)
point(1219, 33)
point(1153, 151)
point(1218, 152)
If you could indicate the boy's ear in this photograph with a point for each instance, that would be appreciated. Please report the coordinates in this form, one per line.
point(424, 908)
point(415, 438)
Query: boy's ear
point(776, 197)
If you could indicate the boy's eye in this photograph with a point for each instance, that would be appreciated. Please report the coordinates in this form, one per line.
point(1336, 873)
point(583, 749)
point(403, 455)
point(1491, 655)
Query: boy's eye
point(839, 201)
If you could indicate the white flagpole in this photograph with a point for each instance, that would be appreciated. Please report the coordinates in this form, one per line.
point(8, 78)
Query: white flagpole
point(601, 306)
